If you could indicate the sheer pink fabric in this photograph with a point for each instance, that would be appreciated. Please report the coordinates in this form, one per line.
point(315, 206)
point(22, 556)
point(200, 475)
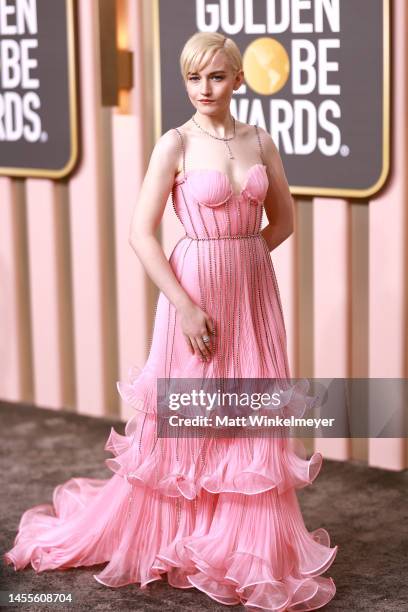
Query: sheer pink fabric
point(220, 515)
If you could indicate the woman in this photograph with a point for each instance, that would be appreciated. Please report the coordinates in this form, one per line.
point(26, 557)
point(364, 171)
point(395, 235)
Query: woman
point(216, 513)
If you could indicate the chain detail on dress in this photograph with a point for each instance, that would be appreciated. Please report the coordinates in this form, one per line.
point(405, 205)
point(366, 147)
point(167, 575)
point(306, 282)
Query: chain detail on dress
point(229, 237)
point(183, 151)
point(260, 143)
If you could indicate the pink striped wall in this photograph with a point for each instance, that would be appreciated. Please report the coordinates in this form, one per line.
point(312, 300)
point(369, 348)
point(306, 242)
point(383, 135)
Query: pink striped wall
point(76, 307)
point(387, 301)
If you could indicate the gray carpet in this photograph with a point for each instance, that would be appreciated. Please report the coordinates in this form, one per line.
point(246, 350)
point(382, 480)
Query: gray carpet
point(365, 510)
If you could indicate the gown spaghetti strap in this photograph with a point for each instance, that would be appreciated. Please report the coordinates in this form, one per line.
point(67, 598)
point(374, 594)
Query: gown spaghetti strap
point(217, 514)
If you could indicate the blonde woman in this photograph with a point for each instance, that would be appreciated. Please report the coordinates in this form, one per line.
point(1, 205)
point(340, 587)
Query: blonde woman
point(216, 513)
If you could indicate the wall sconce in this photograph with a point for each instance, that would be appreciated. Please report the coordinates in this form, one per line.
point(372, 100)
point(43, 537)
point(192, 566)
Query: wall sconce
point(116, 64)
point(125, 69)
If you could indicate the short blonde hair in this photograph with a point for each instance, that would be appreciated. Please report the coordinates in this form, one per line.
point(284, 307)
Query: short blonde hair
point(201, 47)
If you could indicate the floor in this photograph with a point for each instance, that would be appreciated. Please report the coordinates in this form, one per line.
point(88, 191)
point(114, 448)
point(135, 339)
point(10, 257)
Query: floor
point(365, 510)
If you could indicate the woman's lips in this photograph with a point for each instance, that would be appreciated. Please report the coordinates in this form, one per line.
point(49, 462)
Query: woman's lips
point(206, 101)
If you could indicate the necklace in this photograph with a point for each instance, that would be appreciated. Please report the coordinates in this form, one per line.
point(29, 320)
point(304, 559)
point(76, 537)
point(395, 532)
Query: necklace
point(225, 140)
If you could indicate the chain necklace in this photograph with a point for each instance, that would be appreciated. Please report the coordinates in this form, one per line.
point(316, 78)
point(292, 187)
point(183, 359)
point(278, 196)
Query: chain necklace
point(225, 140)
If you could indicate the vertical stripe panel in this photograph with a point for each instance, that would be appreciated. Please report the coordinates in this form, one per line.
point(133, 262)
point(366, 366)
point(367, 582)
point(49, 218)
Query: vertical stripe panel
point(94, 296)
point(331, 319)
point(16, 380)
point(133, 141)
point(283, 259)
point(359, 212)
point(304, 287)
point(50, 293)
point(388, 251)
point(131, 282)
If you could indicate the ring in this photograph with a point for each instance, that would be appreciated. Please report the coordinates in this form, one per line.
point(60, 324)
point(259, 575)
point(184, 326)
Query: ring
point(206, 338)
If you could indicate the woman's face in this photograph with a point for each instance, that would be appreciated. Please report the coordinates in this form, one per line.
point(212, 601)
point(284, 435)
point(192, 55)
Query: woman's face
point(214, 83)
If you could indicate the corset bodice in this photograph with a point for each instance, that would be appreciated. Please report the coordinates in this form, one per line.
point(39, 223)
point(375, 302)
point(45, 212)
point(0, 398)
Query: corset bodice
point(207, 206)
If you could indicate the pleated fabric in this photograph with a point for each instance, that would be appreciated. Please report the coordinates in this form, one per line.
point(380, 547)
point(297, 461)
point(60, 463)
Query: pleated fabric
point(219, 514)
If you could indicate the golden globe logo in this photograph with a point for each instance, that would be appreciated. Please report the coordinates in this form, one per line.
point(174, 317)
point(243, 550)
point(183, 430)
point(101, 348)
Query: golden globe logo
point(300, 124)
point(266, 66)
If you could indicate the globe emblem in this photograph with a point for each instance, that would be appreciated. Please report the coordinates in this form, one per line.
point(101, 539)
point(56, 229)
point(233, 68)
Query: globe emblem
point(266, 65)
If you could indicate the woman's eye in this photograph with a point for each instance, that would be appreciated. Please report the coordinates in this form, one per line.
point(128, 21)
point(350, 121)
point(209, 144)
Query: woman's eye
point(216, 77)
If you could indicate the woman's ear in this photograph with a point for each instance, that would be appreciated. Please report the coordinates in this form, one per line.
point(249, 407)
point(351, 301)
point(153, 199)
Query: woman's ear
point(239, 79)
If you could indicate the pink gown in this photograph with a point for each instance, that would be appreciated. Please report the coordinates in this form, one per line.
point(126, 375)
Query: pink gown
point(222, 514)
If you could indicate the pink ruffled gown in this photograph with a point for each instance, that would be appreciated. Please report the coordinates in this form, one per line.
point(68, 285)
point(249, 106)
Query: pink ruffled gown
point(222, 514)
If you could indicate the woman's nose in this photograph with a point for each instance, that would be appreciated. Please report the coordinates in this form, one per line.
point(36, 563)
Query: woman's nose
point(205, 88)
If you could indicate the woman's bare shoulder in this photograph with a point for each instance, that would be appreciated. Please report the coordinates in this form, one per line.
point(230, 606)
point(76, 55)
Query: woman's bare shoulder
point(247, 130)
point(167, 149)
point(244, 128)
point(169, 141)
point(186, 128)
point(167, 152)
point(266, 138)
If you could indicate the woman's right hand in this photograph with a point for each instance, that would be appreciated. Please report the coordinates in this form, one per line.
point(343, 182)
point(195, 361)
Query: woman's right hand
point(195, 324)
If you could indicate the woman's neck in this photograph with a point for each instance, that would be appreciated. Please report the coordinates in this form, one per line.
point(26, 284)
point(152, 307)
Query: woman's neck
point(219, 125)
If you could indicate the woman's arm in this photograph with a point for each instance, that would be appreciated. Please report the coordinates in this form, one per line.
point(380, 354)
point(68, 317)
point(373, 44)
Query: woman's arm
point(147, 214)
point(279, 205)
